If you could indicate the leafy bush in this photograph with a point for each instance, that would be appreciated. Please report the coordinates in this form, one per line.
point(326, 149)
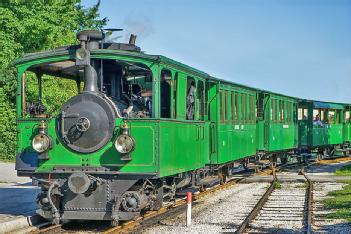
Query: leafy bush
point(29, 26)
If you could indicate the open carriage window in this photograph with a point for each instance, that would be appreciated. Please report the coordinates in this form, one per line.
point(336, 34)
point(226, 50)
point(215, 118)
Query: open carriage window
point(289, 111)
point(165, 88)
point(221, 104)
point(281, 110)
point(252, 109)
point(347, 116)
point(331, 117)
point(274, 112)
point(337, 117)
point(302, 113)
point(243, 108)
point(316, 114)
point(175, 88)
point(190, 99)
point(233, 106)
point(201, 99)
point(226, 106)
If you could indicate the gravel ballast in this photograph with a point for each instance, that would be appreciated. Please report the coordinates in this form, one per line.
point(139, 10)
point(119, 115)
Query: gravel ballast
point(222, 212)
point(283, 212)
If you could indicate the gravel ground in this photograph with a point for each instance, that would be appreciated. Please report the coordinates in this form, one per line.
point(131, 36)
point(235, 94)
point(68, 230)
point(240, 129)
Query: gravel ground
point(283, 212)
point(322, 224)
point(222, 212)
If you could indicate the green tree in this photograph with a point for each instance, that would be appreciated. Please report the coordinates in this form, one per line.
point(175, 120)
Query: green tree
point(29, 26)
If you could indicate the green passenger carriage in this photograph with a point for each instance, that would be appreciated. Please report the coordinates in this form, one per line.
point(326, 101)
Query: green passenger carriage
point(276, 125)
point(142, 127)
point(322, 127)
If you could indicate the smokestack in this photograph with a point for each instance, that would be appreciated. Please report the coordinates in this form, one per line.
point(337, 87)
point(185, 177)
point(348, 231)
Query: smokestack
point(90, 79)
point(132, 39)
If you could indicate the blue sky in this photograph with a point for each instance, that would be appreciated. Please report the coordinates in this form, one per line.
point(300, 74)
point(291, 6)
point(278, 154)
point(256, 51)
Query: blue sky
point(296, 47)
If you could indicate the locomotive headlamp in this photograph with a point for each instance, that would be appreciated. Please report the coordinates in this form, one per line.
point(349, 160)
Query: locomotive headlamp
point(124, 144)
point(82, 57)
point(41, 143)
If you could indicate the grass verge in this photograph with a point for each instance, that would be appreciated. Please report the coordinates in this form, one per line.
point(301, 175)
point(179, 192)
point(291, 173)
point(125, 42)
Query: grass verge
point(344, 171)
point(340, 200)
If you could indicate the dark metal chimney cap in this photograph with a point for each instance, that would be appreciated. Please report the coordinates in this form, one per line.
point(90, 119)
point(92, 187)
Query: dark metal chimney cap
point(88, 35)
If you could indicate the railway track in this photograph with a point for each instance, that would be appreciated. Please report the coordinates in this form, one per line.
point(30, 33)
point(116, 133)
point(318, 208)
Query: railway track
point(150, 218)
point(274, 204)
point(282, 205)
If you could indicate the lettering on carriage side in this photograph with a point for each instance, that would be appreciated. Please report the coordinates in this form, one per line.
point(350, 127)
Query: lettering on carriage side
point(223, 143)
point(242, 126)
point(236, 127)
point(285, 126)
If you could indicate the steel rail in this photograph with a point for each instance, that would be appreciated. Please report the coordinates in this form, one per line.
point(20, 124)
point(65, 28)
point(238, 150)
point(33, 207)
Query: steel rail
point(309, 204)
point(50, 229)
point(254, 212)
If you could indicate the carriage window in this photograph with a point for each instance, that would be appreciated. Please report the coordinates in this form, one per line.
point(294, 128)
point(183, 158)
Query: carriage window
point(190, 99)
point(331, 117)
point(274, 111)
point(233, 106)
point(299, 114)
point(277, 111)
point(226, 106)
point(200, 96)
point(323, 116)
point(337, 117)
point(221, 106)
point(302, 114)
point(252, 109)
point(243, 108)
point(316, 115)
point(288, 112)
point(259, 104)
point(175, 83)
point(236, 107)
point(347, 116)
point(165, 87)
point(281, 108)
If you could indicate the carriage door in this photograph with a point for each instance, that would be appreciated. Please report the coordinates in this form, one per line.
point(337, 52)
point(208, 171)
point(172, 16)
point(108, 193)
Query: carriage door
point(260, 122)
point(212, 117)
point(199, 116)
point(302, 117)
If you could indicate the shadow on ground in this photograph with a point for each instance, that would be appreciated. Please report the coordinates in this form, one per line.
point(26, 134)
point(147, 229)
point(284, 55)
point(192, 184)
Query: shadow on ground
point(18, 199)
